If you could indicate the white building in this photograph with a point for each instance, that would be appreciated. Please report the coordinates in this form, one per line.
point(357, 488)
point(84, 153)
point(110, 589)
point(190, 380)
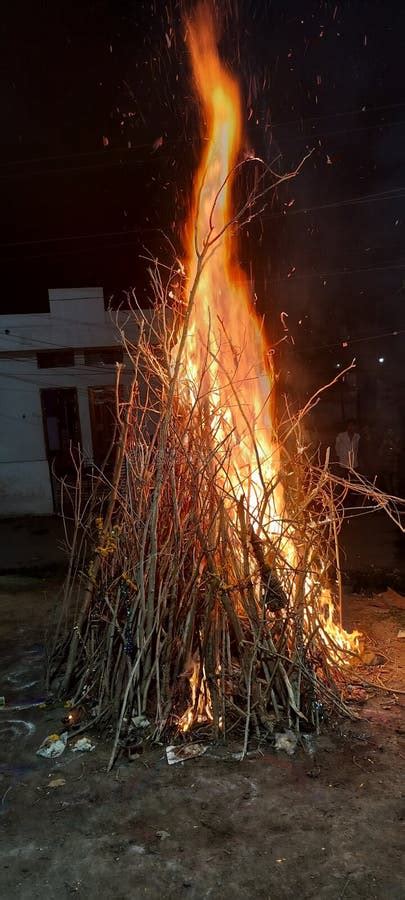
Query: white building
point(57, 371)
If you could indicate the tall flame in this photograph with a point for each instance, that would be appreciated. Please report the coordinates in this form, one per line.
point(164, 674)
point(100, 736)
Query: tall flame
point(225, 353)
point(225, 359)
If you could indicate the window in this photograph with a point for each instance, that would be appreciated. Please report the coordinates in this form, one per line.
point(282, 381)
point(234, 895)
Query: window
point(106, 356)
point(55, 359)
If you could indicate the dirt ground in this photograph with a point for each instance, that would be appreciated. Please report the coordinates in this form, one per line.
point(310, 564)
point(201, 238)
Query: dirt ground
point(329, 826)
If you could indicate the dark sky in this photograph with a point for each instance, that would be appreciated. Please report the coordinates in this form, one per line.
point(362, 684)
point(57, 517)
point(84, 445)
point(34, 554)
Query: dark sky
point(99, 138)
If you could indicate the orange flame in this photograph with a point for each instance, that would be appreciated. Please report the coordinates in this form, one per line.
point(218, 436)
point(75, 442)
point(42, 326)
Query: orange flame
point(199, 709)
point(225, 353)
point(226, 360)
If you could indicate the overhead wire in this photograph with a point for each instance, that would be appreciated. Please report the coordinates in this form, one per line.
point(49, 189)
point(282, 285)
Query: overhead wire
point(108, 162)
point(296, 276)
point(380, 196)
point(362, 110)
point(346, 343)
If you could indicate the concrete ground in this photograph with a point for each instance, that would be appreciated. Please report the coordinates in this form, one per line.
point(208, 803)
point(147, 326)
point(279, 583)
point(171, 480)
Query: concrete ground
point(327, 826)
point(273, 827)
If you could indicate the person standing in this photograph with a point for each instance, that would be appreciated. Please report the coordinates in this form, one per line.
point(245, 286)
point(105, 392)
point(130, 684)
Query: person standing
point(347, 446)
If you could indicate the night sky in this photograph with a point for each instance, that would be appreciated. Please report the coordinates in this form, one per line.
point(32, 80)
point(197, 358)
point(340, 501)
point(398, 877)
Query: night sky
point(100, 137)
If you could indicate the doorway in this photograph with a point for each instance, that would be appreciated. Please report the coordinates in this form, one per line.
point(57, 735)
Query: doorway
point(103, 417)
point(60, 416)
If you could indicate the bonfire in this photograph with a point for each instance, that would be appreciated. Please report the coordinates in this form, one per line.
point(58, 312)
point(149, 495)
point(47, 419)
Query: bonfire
point(204, 585)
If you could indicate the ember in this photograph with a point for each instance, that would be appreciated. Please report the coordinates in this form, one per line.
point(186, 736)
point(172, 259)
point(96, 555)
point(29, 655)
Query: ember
point(212, 599)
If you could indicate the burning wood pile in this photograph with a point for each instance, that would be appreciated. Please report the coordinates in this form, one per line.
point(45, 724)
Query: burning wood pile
point(203, 589)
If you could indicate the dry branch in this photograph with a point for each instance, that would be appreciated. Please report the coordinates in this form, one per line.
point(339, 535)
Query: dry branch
point(197, 607)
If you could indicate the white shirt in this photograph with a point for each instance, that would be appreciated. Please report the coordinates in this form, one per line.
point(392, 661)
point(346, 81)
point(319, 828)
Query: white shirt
point(347, 449)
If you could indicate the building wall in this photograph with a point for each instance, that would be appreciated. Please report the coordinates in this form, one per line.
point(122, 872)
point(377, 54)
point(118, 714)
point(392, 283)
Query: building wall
point(25, 486)
point(77, 319)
